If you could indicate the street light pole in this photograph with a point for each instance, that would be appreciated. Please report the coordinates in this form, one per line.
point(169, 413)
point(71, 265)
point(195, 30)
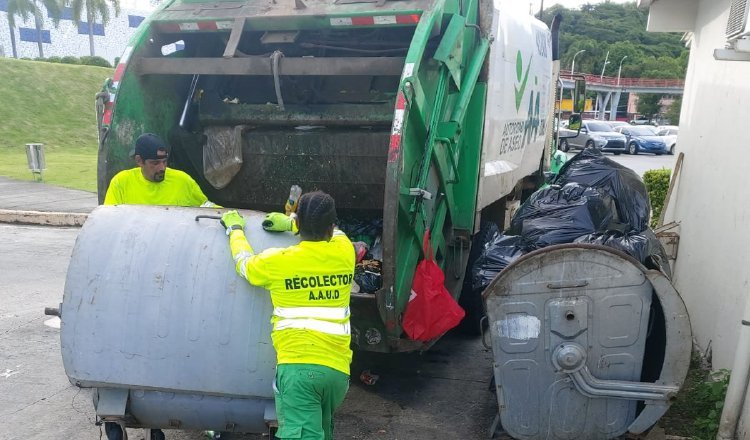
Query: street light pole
point(606, 61)
point(573, 71)
point(619, 70)
point(573, 64)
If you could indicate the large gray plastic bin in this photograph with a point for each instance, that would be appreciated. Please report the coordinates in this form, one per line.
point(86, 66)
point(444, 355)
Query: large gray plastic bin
point(569, 327)
point(153, 306)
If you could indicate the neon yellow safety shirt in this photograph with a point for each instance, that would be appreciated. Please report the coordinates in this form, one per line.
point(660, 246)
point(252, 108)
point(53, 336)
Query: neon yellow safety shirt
point(177, 189)
point(310, 285)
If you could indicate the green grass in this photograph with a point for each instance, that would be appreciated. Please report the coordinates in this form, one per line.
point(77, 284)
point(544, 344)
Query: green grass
point(52, 104)
point(696, 411)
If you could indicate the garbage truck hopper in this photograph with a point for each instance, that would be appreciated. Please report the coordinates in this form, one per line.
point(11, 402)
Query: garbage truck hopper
point(402, 110)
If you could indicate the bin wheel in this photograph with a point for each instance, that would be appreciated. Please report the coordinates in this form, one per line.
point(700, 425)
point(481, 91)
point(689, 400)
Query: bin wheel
point(157, 434)
point(113, 431)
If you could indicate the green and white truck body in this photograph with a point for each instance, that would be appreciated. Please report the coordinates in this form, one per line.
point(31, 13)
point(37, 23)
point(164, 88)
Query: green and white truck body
point(425, 113)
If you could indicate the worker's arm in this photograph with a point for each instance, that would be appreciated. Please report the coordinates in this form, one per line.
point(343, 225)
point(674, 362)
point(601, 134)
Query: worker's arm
point(246, 263)
point(200, 199)
point(113, 193)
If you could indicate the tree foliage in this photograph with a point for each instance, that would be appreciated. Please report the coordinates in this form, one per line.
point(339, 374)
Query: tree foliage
point(648, 105)
point(619, 29)
point(93, 10)
point(673, 113)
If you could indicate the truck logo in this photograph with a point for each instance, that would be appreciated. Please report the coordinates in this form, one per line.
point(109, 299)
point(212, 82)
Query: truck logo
point(522, 78)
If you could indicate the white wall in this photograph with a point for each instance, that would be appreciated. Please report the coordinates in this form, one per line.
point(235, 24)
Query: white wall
point(65, 40)
point(712, 201)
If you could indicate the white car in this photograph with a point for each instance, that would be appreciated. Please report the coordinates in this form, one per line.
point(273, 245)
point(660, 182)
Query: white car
point(669, 134)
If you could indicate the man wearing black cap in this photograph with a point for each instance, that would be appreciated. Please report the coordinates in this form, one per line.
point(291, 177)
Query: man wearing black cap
point(152, 183)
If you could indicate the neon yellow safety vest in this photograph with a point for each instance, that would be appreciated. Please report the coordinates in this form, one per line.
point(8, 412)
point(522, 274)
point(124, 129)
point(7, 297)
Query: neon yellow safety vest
point(310, 285)
point(177, 189)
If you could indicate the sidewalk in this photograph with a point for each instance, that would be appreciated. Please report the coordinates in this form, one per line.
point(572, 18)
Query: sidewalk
point(41, 203)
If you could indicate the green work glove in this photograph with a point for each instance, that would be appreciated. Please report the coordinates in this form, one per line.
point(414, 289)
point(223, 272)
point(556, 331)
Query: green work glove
point(278, 222)
point(232, 220)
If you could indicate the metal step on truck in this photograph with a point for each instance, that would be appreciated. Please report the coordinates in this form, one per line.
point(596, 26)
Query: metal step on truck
point(412, 114)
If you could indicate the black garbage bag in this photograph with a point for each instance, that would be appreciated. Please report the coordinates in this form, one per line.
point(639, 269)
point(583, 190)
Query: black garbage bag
point(644, 247)
point(367, 275)
point(557, 215)
point(591, 168)
point(496, 255)
point(364, 230)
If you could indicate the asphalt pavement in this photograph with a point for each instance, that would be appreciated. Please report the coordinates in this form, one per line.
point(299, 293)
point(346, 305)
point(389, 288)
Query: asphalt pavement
point(29, 202)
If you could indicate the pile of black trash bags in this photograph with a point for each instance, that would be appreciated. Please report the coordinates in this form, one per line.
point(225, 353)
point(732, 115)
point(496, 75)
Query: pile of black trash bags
point(592, 200)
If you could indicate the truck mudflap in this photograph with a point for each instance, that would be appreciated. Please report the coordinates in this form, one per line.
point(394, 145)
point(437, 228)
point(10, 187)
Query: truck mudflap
point(155, 317)
point(587, 344)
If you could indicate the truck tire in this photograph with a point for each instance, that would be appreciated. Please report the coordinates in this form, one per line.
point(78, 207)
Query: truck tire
point(471, 299)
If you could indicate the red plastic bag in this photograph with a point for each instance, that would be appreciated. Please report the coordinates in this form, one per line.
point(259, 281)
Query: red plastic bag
point(431, 311)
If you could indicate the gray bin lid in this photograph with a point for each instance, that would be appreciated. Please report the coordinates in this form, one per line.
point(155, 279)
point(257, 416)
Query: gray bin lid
point(152, 301)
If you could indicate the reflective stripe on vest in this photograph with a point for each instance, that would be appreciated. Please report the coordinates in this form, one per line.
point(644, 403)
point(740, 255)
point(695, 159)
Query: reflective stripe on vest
point(332, 328)
point(240, 261)
point(330, 313)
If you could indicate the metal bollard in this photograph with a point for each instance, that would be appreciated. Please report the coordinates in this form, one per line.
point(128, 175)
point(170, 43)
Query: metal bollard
point(35, 158)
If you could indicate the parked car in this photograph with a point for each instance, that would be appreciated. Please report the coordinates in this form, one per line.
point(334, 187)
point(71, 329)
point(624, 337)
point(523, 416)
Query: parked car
point(642, 138)
point(597, 134)
point(641, 121)
point(669, 134)
point(616, 124)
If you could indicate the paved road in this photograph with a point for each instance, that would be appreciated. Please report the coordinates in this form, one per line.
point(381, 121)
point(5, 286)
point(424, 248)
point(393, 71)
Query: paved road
point(441, 394)
point(641, 163)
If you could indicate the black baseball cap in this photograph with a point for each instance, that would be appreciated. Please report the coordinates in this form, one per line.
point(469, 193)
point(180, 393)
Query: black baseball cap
point(148, 145)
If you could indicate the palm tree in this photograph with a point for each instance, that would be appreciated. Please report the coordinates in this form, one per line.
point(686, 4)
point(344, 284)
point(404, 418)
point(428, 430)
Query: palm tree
point(25, 8)
point(94, 9)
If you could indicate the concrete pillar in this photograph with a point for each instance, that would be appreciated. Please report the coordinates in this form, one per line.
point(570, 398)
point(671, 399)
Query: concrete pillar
point(613, 105)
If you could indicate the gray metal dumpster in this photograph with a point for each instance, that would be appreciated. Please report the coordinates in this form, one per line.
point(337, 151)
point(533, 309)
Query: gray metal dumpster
point(155, 317)
point(572, 328)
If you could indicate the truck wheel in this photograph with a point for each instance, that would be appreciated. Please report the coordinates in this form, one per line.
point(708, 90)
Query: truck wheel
point(564, 145)
point(113, 431)
point(471, 299)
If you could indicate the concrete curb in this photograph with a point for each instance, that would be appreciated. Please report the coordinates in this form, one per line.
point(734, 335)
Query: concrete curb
point(43, 218)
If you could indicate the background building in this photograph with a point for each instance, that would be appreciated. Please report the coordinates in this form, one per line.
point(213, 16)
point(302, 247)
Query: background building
point(69, 38)
point(710, 202)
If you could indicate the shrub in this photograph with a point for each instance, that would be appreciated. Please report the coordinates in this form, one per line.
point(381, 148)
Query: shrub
point(657, 184)
point(95, 61)
point(53, 59)
point(69, 60)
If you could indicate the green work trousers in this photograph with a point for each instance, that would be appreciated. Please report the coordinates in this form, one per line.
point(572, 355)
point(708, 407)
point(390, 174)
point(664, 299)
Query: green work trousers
point(306, 397)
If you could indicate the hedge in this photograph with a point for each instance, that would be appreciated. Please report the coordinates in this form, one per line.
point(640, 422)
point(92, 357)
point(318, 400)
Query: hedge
point(657, 185)
point(85, 60)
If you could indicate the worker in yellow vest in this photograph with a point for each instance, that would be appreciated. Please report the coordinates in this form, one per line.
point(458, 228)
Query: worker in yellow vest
point(310, 285)
point(152, 182)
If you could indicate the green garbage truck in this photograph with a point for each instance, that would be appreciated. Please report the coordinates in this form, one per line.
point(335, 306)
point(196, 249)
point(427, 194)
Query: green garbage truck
point(425, 114)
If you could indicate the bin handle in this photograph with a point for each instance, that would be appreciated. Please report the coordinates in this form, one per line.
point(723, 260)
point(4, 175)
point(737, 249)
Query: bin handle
point(568, 284)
